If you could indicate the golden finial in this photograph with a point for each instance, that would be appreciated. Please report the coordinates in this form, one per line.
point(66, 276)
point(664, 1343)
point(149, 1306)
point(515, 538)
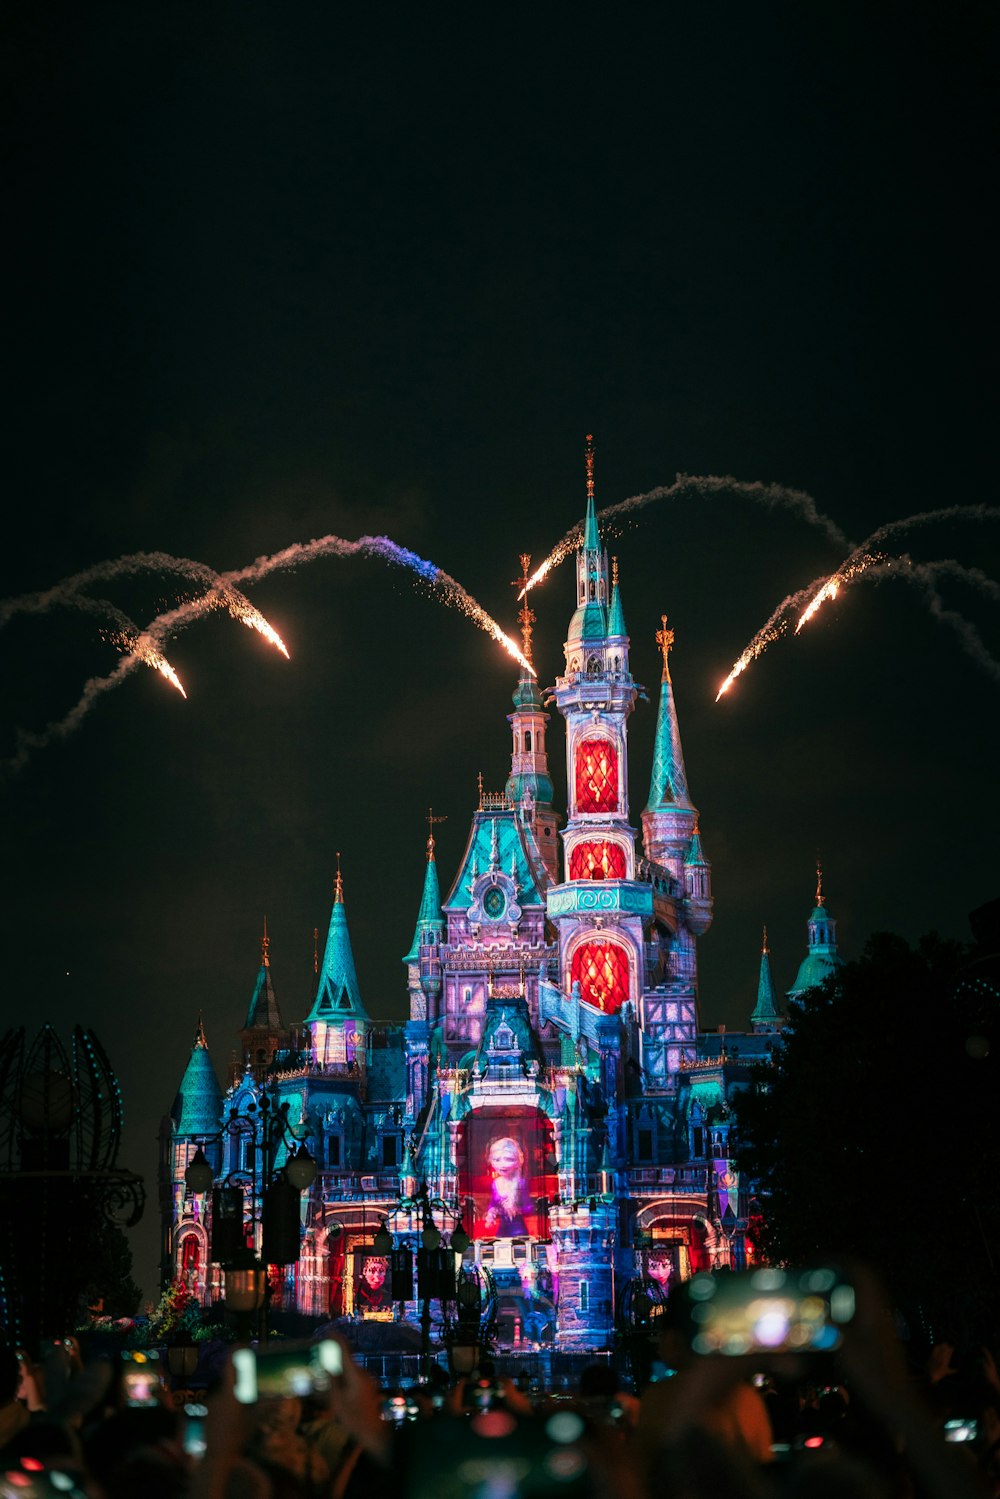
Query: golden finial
point(199, 1035)
point(819, 883)
point(431, 820)
point(665, 639)
point(315, 949)
point(590, 465)
point(479, 779)
point(526, 617)
point(765, 949)
point(614, 572)
point(338, 885)
point(265, 944)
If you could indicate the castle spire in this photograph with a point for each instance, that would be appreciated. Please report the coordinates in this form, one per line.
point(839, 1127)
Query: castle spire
point(429, 922)
point(265, 943)
point(337, 992)
point(591, 537)
point(766, 1016)
point(668, 783)
point(263, 1013)
point(616, 616)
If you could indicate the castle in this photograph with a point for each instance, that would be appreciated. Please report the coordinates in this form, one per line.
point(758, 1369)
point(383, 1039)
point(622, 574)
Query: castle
point(551, 1095)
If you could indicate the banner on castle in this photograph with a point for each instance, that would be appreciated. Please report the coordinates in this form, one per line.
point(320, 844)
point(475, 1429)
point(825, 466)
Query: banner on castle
point(507, 1170)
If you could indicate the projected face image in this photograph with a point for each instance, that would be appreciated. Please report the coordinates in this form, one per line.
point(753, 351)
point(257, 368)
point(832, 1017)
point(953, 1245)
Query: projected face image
point(509, 1200)
point(372, 1291)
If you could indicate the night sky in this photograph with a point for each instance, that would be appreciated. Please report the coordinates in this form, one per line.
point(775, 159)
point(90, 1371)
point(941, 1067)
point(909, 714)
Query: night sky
point(280, 271)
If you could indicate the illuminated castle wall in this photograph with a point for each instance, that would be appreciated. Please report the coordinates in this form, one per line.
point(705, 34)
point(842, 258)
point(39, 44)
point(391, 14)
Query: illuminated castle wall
point(552, 1084)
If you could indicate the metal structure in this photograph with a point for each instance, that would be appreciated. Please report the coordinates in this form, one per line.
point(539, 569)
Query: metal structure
point(61, 1189)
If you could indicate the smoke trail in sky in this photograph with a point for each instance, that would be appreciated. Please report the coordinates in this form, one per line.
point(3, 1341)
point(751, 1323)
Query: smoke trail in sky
point(71, 590)
point(857, 562)
point(221, 589)
point(706, 486)
point(868, 566)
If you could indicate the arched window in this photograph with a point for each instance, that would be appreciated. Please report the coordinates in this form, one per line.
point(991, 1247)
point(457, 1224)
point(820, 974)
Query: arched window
point(527, 741)
point(596, 776)
point(602, 971)
point(597, 861)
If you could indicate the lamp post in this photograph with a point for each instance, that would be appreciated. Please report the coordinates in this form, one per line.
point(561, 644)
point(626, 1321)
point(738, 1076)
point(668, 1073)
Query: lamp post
point(278, 1191)
point(435, 1263)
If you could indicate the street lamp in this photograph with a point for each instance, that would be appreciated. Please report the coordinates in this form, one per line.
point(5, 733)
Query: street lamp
point(279, 1192)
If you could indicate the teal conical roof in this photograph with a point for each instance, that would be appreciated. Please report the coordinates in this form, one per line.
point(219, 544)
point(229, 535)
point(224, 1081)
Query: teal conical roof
point(668, 782)
point(766, 1010)
point(263, 1013)
point(337, 993)
point(429, 915)
point(616, 617)
point(197, 1109)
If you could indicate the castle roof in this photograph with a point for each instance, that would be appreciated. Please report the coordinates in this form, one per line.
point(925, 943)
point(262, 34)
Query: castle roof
point(429, 916)
point(668, 782)
point(263, 1013)
point(495, 842)
point(197, 1108)
point(337, 993)
point(766, 1010)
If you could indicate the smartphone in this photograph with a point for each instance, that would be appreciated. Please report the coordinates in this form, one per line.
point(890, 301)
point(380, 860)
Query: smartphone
point(194, 1429)
point(394, 1409)
point(768, 1310)
point(141, 1383)
point(966, 1430)
point(288, 1369)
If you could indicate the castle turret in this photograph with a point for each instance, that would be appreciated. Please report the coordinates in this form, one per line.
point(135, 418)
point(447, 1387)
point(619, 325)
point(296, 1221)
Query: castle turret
point(766, 1016)
point(822, 960)
point(338, 1020)
point(605, 956)
point(197, 1108)
point(263, 1034)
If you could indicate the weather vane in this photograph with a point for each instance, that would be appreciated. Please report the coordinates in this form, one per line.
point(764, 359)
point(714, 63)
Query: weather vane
point(431, 820)
point(590, 465)
point(665, 639)
point(526, 617)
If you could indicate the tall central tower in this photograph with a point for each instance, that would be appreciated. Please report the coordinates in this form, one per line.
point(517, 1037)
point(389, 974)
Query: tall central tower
point(600, 909)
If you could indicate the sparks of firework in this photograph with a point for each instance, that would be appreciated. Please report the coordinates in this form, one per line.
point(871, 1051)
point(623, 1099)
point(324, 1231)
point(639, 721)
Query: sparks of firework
point(161, 664)
point(254, 620)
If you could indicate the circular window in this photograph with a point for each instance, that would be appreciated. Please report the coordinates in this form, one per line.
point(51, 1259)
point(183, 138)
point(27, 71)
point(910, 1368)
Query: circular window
point(494, 903)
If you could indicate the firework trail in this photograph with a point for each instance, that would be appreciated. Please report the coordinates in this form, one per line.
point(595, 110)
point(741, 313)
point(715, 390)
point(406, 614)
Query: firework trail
point(70, 590)
point(126, 636)
point(859, 559)
point(873, 567)
point(222, 589)
point(706, 486)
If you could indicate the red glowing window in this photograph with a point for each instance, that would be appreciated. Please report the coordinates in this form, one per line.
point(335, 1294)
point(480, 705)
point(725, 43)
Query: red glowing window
point(597, 861)
point(602, 971)
point(596, 776)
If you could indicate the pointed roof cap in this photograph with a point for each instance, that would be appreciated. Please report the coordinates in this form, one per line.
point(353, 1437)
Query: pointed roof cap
point(429, 916)
point(263, 1013)
point(591, 535)
point(668, 782)
point(766, 1009)
point(526, 694)
point(616, 617)
point(337, 993)
point(197, 1109)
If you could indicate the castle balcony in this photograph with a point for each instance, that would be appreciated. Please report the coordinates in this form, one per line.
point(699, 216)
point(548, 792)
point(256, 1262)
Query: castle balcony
point(348, 1186)
point(480, 957)
point(653, 1181)
point(600, 897)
